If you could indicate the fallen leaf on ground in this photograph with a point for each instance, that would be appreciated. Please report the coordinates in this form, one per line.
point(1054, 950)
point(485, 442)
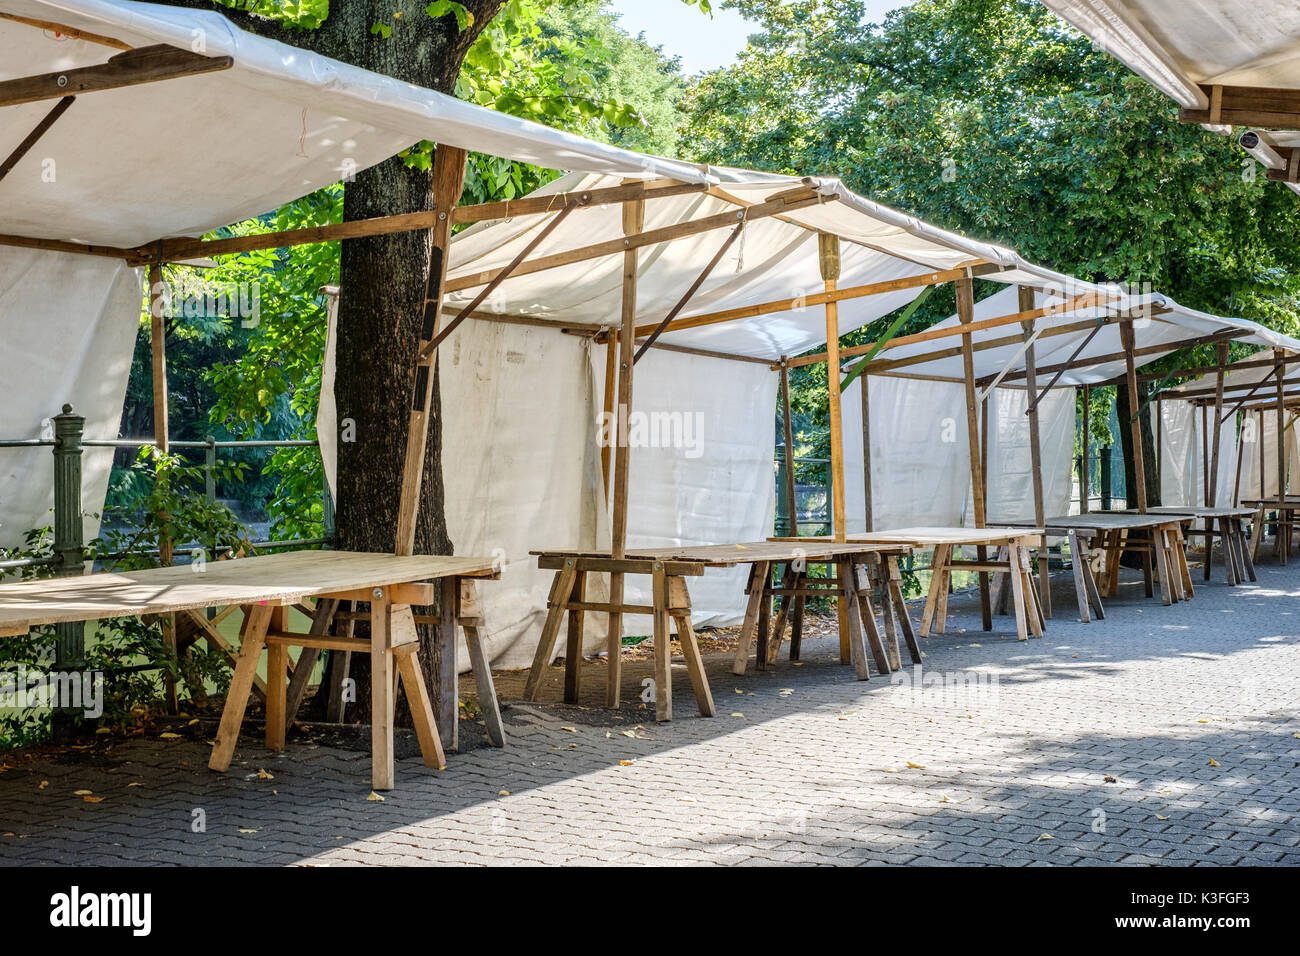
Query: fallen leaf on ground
point(1213, 762)
point(503, 793)
point(916, 766)
point(1045, 836)
point(44, 784)
point(135, 783)
point(245, 830)
point(263, 775)
point(626, 763)
point(737, 714)
point(169, 736)
point(785, 692)
point(1159, 817)
point(572, 730)
point(1109, 779)
point(81, 793)
point(374, 797)
point(93, 799)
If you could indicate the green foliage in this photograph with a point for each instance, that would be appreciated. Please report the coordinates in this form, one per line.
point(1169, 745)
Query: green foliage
point(992, 118)
point(171, 506)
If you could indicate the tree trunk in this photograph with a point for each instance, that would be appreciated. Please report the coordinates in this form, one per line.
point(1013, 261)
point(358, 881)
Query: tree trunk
point(383, 281)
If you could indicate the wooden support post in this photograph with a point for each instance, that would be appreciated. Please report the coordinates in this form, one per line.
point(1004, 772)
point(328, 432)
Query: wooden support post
point(1085, 478)
point(828, 248)
point(633, 224)
point(611, 383)
point(448, 182)
point(158, 300)
point(1283, 525)
point(792, 507)
point(829, 260)
point(1135, 418)
point(966, 315)
point(1212, 493)
point(864, 383)
point(1036, 452)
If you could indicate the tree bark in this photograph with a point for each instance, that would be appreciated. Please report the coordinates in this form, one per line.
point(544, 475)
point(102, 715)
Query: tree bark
point(382, 287)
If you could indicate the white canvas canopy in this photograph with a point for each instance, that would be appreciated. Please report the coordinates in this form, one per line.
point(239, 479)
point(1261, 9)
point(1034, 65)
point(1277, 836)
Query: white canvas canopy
point(1225, 62)
point(521, 379)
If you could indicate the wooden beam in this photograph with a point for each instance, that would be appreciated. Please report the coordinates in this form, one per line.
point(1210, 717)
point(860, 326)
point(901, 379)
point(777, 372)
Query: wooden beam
point(1026, 303)
point(1135, 418)
point(1269, 107)
point(428, 348)
point(1283, 529)
point(828, 249)
point(612, 247)
point(148, 64)
point(71, 32)
point(611, 382)
point(1084, 477)
point(448, 182)
point(966, 317)
point(787, 427)
point(823, 298)
point(1212, 491)
point(590, 198)
point(37, 132)
point(1076, 304)
point(667, 322)
point(133, 256)
point(633, 230)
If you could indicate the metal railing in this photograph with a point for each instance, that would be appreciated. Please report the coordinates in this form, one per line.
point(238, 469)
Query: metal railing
point(69, 547)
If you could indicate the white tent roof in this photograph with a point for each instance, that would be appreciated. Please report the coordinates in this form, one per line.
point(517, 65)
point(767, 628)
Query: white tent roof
point(776, 259)
point(1172, 327)
point(1181, 45)
point(1238, 383)
point(187, 155)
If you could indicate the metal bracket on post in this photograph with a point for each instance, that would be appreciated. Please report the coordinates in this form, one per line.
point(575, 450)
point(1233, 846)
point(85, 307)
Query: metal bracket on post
point(69, 549)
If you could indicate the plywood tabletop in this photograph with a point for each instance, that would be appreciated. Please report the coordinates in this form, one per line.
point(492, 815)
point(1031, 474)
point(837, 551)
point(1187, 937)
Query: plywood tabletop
point(1116, 520)
point(933, 537)
point(1193, 511)
point(276, 579)
point(776, 551)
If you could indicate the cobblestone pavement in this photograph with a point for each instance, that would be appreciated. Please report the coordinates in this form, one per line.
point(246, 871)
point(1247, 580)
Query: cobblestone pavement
point(1161, 735)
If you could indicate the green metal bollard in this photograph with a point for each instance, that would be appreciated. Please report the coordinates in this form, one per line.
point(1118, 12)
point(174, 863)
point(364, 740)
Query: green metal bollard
point(210, 470)
point(69, 548)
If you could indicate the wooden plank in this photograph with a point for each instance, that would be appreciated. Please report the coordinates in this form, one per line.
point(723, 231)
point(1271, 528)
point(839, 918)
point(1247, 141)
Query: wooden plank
point(422, 716)
point(611, 382)
point(1035, 449)
point(421, 594)
point(133, 67)
point(589, 198)
point(663, 648)
point(887, 656)
point(633, 230)
point(30, 140)
point(446, 670)
point(681, 613)
point(787, 429)
point(1249, 106)
point(382, 697)
point(67, 31)
point(826, 297)
point(749, 626)
point(666, 323)
point(280, 579)
point(937, 584)
point(448, 183)
point(561, 588)
point(573, 643)
point(467, 613)
point(853, 616)
point(1283, 527)
point(1135, 418)
point(321, 621)
point(251, 638)
point(277, 677)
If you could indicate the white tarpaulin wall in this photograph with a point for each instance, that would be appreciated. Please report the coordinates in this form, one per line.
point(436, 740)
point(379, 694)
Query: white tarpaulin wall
point(920, 455)
point(521, 463)
point(717, 486)
point(1182, 459)
point(1250, 455)
point(521, 468)
point(69, 324)
point(920, 462)
point(1010, 472)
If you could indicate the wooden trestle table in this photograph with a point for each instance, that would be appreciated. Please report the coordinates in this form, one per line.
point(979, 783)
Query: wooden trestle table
point(668, 569)
point(266, 588)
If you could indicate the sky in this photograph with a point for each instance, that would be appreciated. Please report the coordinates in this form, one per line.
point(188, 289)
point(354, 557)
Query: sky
point(703, 43)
